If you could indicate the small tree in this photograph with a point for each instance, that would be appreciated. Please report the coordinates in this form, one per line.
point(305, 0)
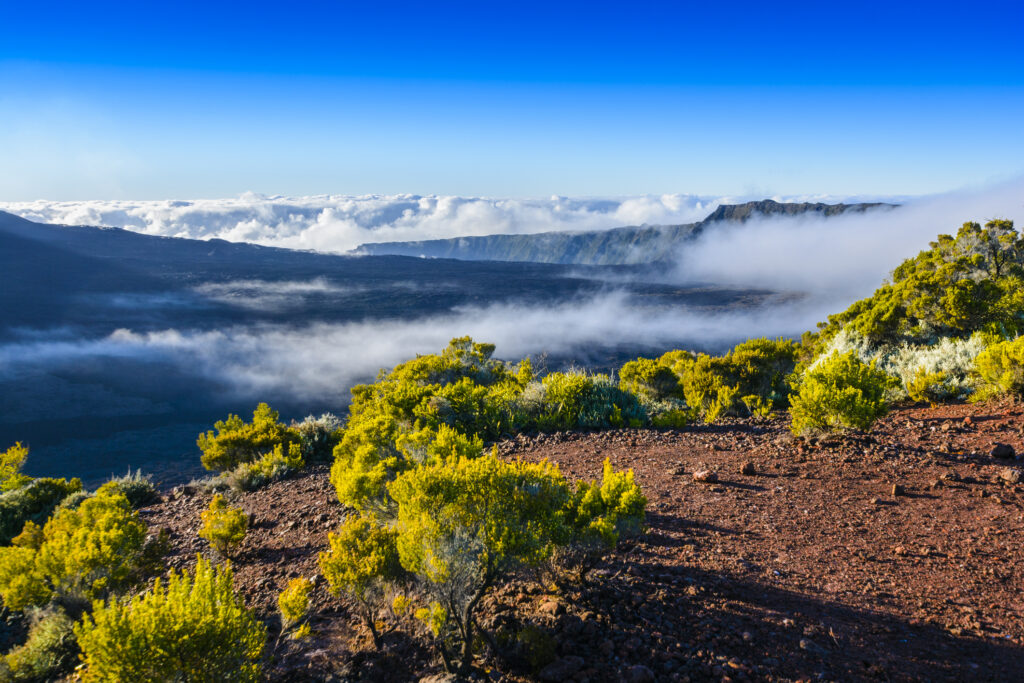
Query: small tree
point(191, 628)
point(463, 525)
point(839, 392)
point(362, 563)
point(224, 526)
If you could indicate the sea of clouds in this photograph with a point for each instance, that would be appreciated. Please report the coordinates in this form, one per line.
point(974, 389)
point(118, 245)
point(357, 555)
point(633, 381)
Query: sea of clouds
point(337, 223)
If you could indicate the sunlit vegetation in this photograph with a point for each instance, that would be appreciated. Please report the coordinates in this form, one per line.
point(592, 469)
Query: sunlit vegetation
point(224, 526)
point(191, 627)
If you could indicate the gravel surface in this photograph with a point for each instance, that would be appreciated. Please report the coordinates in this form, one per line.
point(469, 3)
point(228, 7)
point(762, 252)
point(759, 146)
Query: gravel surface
point(894, 555)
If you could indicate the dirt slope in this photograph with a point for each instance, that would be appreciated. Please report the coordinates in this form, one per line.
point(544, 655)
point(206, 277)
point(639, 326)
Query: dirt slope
point(811, 568)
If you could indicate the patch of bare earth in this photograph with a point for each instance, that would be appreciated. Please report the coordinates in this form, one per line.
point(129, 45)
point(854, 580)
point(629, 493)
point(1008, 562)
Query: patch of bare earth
point(896, 555)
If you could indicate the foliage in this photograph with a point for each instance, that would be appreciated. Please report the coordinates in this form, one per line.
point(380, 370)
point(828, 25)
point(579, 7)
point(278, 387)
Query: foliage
point(651, 379)
point(960, 285)
point(575, 399)
point(317, 437)
point(80, 554)
point(949, 357)
point(1000, 369)
point(293, 604)
point(268, 468)
point(840, 391)
point(464, 524)
point(11, 462)
point(926, 387)
point(224, 526)
point(33, 502)
point(191, 628)
point(363, 563)
point(50, 652)
point(137, 488)
point(236, 442)
point(599, 513)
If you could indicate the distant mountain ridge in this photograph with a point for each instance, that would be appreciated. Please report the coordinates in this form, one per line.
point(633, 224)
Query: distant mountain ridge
point(632, 245)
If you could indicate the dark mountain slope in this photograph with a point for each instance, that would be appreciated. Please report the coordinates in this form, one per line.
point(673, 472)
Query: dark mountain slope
point(629, 245)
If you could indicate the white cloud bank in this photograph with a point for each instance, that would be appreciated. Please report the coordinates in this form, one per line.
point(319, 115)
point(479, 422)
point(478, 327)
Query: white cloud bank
point(320, 362)
point(336, 223)
point(843, 257)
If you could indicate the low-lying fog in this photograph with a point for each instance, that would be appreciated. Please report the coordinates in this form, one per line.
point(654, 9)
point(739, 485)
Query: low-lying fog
point(130, 396)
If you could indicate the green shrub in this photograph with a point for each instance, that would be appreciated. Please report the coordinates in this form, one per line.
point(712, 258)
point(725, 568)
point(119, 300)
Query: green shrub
point(236, 442)
point(79, 555)
point(293, 604)
point(599, 513)
point(33, 502)
point(463, 525)
point(363, 564)
point(224, 526)
point(11, 462)
point(50, 652)
point(1000, 369)
point(137, 488)
point(275, 465)
point(839, 392)
point(650, 379)
point(573, 400)
point(960, 285)
point(926, 387)
point(317, 437)
point(191, 628)
point(72, 501)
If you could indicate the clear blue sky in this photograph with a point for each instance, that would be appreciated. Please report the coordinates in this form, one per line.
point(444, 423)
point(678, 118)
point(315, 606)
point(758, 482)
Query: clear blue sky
point(188, 99)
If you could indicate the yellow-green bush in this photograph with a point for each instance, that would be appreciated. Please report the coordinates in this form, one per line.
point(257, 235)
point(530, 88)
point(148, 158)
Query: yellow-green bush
point(293, 604)
point(224, 526)
point(650, 379)
point(79, 554)
point(50, 652)
point(191, 628)
point(11, 462)
point(236, 442)
point(926, 387)
point(839, 392)
point(573, 400)
point(270, 467)
point(136, 487)
point(34, 502)
point(463, 525)
point(599, 513)
point(1000, 369)
point(363, 563)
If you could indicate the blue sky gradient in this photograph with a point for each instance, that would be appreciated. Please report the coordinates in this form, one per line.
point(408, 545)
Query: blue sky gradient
point(117, 100)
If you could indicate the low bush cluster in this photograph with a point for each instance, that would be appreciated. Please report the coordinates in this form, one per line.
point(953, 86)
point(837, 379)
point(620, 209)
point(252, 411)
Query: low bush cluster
point(840, 391)
point(1000, 369)
point(33, 502)
point(189, 628)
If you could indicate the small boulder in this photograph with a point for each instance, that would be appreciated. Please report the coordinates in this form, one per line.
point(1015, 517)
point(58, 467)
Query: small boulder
point(705, 476)
point(1003, 451)
point(748, 468)
point(552, 608)
point(898, 490)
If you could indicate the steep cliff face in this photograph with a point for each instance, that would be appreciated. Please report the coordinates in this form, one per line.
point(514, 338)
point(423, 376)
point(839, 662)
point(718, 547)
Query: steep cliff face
point(618, 246)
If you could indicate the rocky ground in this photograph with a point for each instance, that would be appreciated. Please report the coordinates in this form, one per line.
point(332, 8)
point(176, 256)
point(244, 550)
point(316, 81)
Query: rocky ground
point(895, 555)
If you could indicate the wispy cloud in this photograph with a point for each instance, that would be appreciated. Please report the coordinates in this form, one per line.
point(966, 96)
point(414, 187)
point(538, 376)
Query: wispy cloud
point(321, 361)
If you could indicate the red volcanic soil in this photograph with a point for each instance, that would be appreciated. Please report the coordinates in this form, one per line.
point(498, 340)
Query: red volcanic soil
point(894, 555)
